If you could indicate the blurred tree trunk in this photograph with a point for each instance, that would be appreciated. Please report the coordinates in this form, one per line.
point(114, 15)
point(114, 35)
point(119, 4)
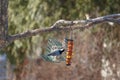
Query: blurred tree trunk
point(3, 21)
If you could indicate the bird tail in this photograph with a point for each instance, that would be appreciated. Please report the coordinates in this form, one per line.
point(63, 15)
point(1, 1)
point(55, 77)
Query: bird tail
point(49, 55)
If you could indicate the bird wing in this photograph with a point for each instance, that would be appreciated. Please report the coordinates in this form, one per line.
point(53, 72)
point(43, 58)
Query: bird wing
point(52, 46)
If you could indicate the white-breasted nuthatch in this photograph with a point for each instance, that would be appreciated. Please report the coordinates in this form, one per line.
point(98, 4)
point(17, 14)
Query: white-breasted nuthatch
point(56, 52)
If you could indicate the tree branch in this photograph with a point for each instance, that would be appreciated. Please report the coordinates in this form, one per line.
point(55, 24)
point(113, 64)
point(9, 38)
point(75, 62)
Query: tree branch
point(65, 25)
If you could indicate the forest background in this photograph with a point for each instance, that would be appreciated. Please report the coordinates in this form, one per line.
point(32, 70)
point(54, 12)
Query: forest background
point(96, 50)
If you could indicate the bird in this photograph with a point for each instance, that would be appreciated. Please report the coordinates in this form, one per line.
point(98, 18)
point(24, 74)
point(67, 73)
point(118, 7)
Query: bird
point(56, 52)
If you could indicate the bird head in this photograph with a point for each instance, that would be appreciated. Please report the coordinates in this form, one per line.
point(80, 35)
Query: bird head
point(62, 50)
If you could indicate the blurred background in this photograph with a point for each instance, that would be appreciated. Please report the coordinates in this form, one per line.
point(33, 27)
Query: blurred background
point(96, 50)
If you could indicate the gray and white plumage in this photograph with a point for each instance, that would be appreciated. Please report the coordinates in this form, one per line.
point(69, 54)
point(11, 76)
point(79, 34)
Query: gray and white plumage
point(53, 51)
point(56, 52)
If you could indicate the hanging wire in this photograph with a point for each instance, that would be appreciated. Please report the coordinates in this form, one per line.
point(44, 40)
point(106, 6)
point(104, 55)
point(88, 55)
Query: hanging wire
point(71, 33)
point(67, 33)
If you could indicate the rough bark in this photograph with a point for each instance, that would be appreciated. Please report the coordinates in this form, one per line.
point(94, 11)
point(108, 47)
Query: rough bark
point(3, 22)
